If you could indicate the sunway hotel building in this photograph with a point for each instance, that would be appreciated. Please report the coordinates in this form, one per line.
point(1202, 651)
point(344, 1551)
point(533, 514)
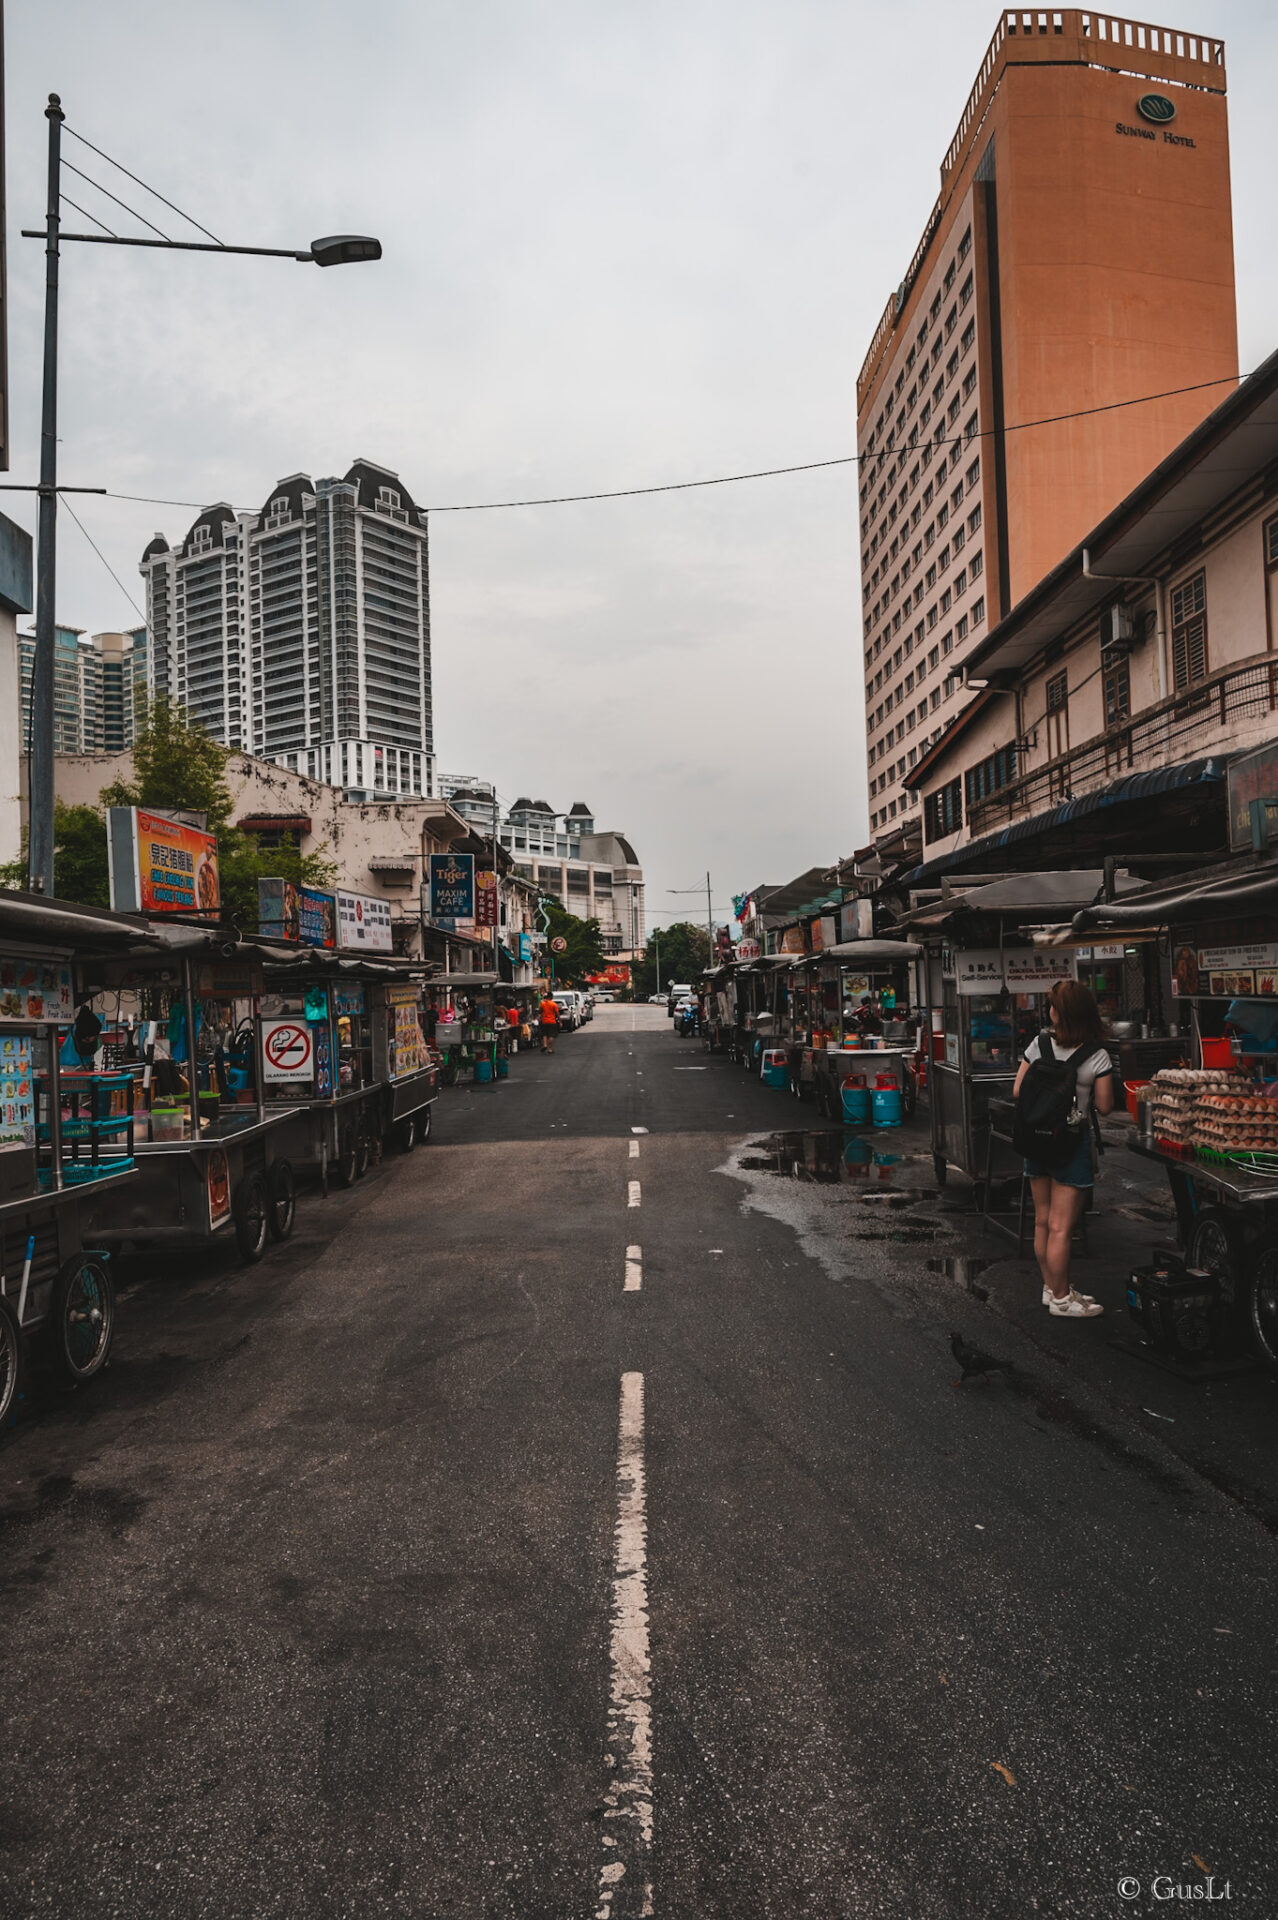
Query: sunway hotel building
point(1080, 254)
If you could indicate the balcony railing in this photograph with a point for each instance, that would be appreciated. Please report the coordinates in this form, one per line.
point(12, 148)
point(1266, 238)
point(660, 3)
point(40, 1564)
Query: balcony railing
point(1200, 720)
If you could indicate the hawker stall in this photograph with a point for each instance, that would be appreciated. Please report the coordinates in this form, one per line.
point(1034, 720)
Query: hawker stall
point(858, 1053)
point(987, 982)
point(181, 1018)
point(343, 1059)
point(1212, 1123)
point(66, 1139)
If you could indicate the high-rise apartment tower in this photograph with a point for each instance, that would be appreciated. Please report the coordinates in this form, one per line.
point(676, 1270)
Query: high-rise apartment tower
point(1079, 258)
point(302, 633)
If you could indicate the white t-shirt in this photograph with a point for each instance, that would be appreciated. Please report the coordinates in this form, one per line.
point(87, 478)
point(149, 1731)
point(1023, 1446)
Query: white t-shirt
point(1089, 1070)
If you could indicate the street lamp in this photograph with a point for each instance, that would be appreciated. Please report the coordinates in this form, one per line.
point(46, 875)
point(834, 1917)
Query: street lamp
point(334, 250)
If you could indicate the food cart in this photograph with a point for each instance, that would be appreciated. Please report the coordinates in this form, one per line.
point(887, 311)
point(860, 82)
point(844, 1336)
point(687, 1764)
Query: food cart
point(987, 988)
point(1213, 1123)
point(212, 1165)
point(878, 978)
point(66, 1137)
point(343, 1061)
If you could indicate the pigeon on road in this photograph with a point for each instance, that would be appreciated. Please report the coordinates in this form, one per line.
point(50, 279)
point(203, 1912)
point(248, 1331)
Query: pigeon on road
point(973, 1361)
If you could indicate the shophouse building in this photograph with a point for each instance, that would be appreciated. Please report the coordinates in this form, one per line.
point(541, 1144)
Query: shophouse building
point(302, 633)
point(1078, 258)
point(1109, 705)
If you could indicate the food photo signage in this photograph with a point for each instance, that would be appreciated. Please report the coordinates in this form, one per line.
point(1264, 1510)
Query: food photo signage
point(35, 989)
point(305, 915)
point(158, 865)
point(1226, 973)
point(363, 923)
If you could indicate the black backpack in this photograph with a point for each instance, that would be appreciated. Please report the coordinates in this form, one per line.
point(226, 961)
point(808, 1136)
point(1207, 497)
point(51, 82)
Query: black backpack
point(1048, 1127)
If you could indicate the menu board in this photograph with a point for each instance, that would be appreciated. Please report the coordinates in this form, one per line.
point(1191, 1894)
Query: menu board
point(363, 921)
point(17, 1096)
point(34, 989)
point(408, 1041)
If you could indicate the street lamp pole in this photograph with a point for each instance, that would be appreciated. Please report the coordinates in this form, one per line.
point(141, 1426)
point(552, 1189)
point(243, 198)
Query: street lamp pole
point(334, 250)
point(40, 744)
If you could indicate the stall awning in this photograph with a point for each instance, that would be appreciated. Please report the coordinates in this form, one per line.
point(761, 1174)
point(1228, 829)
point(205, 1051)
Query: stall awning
point(462, 980)
point(1085, 807)
point(1189, 902)
point(1041, 897)
point(33, 917)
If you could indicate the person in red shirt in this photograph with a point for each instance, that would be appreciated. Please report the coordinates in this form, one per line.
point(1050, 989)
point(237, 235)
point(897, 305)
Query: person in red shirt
point(549, 1011)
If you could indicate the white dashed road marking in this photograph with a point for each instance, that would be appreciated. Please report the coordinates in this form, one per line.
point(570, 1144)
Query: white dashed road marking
point(627, 1821)
point(634, 1150)
point(638, 1129)
point(632, 1198)
point(634, 1270)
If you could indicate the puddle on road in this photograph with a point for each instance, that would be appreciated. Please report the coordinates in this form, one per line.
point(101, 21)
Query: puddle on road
point(832, 1157)
point(964, 1268)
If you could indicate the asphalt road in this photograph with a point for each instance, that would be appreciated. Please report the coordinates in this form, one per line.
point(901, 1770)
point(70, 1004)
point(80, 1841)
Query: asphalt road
point(457, 1562)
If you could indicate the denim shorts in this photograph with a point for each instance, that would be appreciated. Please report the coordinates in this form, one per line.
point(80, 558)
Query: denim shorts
point(1078, 1170)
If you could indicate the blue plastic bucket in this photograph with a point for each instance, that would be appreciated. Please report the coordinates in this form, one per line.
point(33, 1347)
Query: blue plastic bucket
point(856, 1105)
point(483, 1071)
point(503, 1069)
point(887, 1106)
point(776, 1077)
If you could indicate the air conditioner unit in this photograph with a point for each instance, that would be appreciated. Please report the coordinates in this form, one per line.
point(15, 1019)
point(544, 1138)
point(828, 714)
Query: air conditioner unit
point(1116, 629)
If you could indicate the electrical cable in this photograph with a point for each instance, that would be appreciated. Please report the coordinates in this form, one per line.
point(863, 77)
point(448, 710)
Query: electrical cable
point(173, 208)
point(760, 473)
point(110, 569)
point(98, 186)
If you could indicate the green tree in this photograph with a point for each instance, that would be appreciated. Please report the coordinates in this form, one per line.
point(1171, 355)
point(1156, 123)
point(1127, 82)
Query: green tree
point(685, 955)
point(584, 953)
point(79, 857)
point(177, 765)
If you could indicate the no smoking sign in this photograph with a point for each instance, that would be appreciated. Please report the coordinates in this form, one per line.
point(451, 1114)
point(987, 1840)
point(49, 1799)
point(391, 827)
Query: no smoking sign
point(287, 1051)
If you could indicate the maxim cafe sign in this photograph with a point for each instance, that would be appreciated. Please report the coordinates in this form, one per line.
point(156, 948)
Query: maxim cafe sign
point(452, 889)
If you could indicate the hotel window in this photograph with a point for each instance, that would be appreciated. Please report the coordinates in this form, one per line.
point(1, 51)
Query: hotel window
point(951, 321)
point(960, 582)
point(1057, 705)
point(936, 698)
point(931, 618)
point(1189, 631)
point(969, 382)
point(951, 365)
point(1118, 688)
point(965, 291)
point(943, 810)
point(934, 659)
point(953, 412)
point(950, 272)
point(960, 627)
point(969, 431)
point(931, 573)
point(973, 473)
point(947, 641)
point(976, 564)
point(969, 334)
point(947, 600)
point(978, 611)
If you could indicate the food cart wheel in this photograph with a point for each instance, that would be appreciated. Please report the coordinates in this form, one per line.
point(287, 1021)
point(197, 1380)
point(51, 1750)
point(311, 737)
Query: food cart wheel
point(347, 1158)
point(252, 1219)
point(11, 1367)
point(363, 1147)
point(405, 1133)
point(81, 1318)
point(1212, 1246)
point(281, 1191)
point(1263, 1304)
point(941, 1168)
point(425, 1119)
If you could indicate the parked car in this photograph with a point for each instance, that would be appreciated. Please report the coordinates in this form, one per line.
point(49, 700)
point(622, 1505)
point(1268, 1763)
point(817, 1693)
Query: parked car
point(604, 996)
point(678, 990)
point(587, 1005)
point(569, 1014)
point(656, 999)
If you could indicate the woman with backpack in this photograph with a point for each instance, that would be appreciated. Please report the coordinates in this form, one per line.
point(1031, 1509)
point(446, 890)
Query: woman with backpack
point(1065, 1079)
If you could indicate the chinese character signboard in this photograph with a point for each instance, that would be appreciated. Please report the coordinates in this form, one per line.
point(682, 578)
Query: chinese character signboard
point(485, 899)
point(159, 865)
point(452, 889)
point(293, 913)
point(363, 924)
point(1019, 969)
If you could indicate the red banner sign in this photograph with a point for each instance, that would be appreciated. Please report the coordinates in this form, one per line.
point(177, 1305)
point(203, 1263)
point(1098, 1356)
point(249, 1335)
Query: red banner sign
point(486, 899)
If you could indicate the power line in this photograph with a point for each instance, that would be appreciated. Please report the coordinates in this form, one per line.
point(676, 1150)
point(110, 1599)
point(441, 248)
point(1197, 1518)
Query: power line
point(766, 473)
point(107, 564)
point(145, 187)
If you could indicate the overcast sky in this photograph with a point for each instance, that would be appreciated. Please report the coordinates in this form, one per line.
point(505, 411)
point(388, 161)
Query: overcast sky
point(626, 242)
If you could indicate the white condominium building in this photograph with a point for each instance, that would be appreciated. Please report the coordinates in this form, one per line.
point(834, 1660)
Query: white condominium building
point(302, 633)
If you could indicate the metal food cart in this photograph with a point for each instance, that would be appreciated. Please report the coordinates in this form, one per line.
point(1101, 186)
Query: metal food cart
point(987, 988)
point(1221, 942)
point(883, 975)
point(212, 1166)
point(66, 1137)
point(343, 1061)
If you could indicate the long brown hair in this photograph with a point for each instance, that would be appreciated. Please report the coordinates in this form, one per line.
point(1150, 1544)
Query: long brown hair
point(1077, 1015)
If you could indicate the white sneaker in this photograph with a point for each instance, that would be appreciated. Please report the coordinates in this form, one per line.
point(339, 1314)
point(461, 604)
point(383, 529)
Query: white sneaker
point(1049, 1296)
point(1074, 1306)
